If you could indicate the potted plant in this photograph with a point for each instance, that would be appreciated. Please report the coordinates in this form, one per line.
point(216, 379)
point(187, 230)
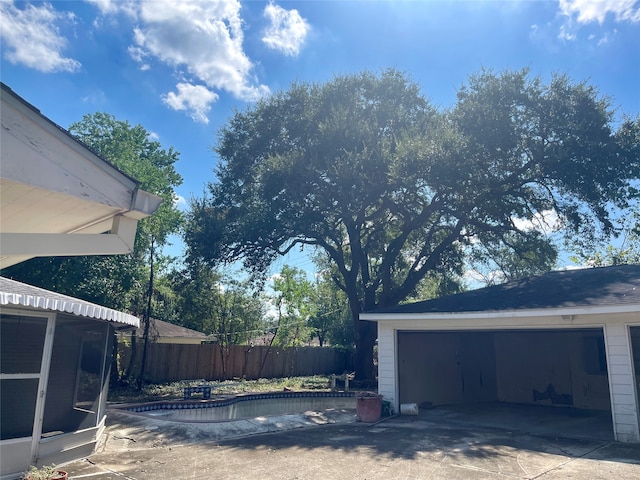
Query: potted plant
point(45, 473)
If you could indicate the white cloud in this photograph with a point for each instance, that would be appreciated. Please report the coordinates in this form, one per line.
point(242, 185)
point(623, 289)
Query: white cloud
point(287, 30)
point(567, 33)
point(203, 37)
point(31, 37)
point(574, 14)
point(587, 11)
point(546, 222)
point(194, 99)
point(180, 202)
point(96, 98)
point(140, 56)
point(111, 7)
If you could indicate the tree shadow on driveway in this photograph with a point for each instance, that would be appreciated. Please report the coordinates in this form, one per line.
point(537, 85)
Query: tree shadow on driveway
point(401, 447)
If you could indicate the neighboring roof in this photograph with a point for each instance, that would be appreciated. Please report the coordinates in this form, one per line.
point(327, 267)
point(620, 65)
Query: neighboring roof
point(23, 295)
point(57, 196)
point(589, 287)
point(160, 328)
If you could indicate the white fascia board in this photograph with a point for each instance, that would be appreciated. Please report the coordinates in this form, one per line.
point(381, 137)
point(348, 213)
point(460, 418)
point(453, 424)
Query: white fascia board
point(506, 314)
point(35, 151)
point(119, 241)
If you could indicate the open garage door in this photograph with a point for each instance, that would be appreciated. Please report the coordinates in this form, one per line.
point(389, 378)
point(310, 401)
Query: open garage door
point(554, 367)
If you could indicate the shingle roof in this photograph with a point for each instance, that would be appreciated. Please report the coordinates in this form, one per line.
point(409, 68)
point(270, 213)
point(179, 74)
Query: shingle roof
point(23, 295)
point(605, 286)
point(164, 329)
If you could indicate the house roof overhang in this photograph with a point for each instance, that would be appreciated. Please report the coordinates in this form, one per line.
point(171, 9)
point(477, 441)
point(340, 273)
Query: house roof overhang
point(57, 196)
point(19, 294)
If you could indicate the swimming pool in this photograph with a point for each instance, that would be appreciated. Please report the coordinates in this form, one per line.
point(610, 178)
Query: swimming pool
point(244, 406)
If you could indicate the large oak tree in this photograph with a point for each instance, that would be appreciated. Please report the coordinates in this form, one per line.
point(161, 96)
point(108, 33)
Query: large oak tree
point(394, 190)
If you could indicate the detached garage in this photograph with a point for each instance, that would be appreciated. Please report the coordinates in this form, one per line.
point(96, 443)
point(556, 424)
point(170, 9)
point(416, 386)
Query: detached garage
point(569, 339)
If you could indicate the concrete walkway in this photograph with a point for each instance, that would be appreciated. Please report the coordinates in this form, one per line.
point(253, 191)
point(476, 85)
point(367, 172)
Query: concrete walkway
point(438, 444)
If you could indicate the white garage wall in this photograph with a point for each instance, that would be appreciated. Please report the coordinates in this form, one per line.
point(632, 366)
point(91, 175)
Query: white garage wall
point(622, 383)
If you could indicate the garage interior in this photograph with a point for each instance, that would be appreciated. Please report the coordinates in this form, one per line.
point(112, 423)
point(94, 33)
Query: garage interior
point(564, 370)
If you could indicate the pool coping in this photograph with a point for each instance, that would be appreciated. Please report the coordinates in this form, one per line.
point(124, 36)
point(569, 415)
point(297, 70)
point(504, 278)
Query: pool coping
point(142, 408)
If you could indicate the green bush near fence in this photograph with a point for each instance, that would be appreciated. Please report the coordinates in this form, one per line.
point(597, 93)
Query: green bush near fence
point(175, 390)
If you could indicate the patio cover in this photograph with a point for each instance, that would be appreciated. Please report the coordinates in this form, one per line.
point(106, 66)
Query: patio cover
point(23, 295)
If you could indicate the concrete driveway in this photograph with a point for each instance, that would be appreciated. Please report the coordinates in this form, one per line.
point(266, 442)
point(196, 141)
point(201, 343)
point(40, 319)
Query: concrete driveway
point(437, 444)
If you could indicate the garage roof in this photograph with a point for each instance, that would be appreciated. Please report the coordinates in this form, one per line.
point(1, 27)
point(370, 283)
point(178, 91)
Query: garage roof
point(590, 287)
point(23, 295)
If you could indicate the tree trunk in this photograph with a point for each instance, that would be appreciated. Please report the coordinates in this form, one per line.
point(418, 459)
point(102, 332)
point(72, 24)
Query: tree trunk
point(132, 358)
point(114, 373)
point(364, 335)
point(365, 338)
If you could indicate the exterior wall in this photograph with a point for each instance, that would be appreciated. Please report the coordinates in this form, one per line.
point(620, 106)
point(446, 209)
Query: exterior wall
point(15, 457)
point(387, 370)
point(623, 396)
point(624, 399)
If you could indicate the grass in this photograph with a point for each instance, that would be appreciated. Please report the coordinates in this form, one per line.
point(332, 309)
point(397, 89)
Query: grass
point(175, 390)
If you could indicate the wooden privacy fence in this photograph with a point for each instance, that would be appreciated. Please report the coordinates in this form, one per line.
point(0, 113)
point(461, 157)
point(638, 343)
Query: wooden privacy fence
point(168, 362)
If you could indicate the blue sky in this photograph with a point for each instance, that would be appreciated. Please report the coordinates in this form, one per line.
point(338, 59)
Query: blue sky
point(180, 68)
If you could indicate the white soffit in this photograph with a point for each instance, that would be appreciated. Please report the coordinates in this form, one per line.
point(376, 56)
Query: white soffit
point(57, 196)
point(18, 294)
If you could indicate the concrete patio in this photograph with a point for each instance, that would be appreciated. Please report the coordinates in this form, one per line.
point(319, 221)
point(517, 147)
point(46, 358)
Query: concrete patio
point(502, 441)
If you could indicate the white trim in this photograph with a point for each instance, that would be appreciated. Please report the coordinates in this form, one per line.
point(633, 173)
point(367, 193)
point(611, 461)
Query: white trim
point(501, 314)
point(119, 241)
point(41, 397)
point(19, 376)
point(633, 377)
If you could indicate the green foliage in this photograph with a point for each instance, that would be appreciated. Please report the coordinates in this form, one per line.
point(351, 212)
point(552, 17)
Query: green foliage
point(293, 303)
point(46, 472)
point(106, 280)
point(131, 149)
point(392, 190)
point(331, 318)
point(175, 390)
point(218, 305)
point(626, 252)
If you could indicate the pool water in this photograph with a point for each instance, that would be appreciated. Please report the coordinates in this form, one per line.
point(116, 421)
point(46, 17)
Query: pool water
point(245, 406)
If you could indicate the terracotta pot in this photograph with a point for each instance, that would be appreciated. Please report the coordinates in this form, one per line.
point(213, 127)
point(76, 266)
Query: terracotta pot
point(368, 407)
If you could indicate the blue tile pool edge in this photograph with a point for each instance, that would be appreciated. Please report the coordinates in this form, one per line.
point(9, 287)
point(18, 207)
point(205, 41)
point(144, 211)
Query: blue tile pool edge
point(223, 402)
